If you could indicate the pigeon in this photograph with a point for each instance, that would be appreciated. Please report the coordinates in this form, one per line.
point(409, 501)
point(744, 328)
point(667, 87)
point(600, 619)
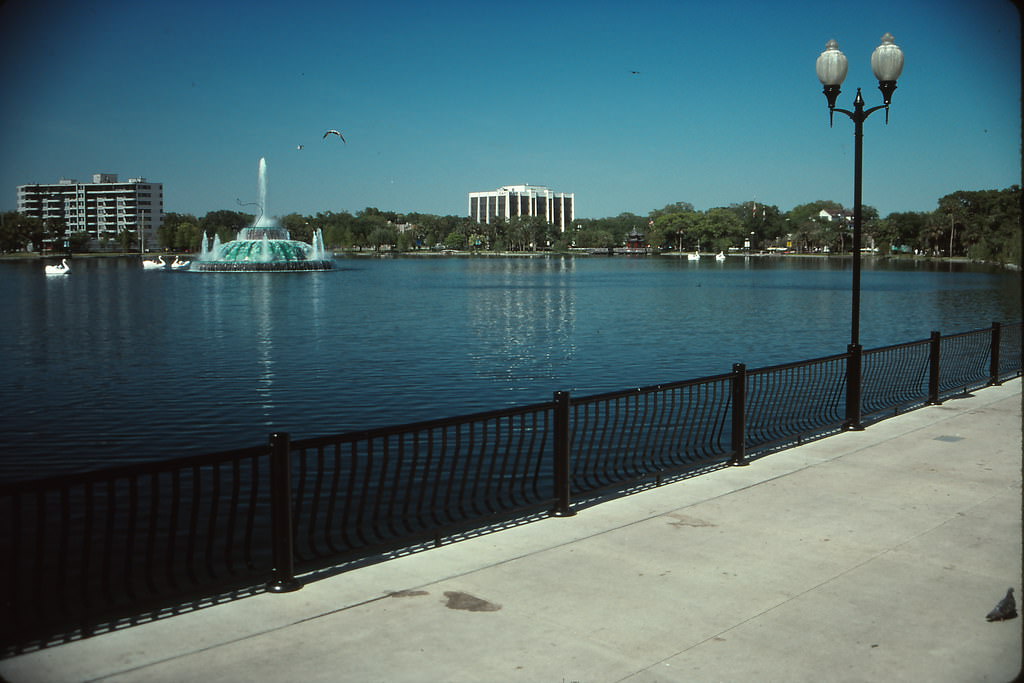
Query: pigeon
point(334, 132)
point(1006, 609)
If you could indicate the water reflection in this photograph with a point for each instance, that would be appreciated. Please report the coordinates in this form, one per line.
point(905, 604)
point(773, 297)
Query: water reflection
point(115, 364)
point(523, 316)
point(261, 305)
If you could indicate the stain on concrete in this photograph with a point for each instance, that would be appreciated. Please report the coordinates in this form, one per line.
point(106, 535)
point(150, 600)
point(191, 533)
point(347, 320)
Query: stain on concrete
point(469, 603)
point(685, 520)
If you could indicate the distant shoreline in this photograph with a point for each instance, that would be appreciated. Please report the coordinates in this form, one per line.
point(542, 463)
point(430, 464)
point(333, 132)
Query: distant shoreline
point(455, 253)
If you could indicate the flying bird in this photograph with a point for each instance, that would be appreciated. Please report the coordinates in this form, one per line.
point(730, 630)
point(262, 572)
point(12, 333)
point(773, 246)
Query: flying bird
point(300, 147)
point(1006, 609)
point(334, 132)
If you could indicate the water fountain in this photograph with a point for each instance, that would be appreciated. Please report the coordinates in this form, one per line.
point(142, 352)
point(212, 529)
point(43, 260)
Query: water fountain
point(262, 246)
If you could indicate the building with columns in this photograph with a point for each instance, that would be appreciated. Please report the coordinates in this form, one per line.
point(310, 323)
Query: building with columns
point(557, 208)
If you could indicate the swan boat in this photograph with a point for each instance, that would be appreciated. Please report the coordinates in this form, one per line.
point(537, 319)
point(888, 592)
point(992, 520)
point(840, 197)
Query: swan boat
point(62, 269)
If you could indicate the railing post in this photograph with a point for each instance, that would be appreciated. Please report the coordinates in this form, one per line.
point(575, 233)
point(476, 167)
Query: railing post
point(563, 489)
point(853, 383)
point(993, 366)
point(739, 415)
point(282, 573)
point(934, 353)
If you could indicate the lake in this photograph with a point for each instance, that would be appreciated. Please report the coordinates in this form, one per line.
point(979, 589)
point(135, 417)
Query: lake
point(113, 364)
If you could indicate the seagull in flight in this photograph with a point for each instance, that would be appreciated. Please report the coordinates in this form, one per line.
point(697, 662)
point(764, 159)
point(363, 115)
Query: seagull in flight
point(334, 132)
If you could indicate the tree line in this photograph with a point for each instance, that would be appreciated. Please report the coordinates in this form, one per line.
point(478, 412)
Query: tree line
point(981, 225)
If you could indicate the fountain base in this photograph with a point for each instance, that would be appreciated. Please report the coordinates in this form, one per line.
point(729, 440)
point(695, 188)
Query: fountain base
point(263, 249)
point(259, 266)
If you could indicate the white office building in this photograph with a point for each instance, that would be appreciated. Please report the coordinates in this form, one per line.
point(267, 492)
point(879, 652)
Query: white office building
point(103, 208)
point(557, 208)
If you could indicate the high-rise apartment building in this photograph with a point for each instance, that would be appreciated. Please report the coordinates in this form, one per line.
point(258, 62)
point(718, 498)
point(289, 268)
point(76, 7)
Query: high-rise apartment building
point(523, 200)
point(103, 208)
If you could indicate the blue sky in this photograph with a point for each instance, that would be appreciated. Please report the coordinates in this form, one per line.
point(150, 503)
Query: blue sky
point(437, 99)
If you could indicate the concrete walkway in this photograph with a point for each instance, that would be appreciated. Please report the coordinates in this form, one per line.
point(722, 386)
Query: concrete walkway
point(866, 556)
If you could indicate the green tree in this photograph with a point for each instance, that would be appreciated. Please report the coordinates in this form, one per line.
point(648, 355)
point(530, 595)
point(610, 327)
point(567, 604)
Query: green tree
point(179, 232)
point(382, 235)
point(299, 227)
point(127, 238)
point(809, 231)
point(621, 225)
point(717, 229)
point(55, 230)
point(528, 233)
point(188, 237)
point(337, 228)
point(676, 208)
point(79, 240)
point(679, 225)
point(586, 235)
point(807, 212)
point(870, 224)
point(902, 229)
point(368, 227)
point(983, 225)
point(406, 241)
point(225, 224)
point(18, 232)
point(762, 223)
point(455, 240)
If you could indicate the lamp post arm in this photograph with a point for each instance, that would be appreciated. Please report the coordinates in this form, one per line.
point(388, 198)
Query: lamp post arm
point(872, 110)
point(869, 112)
point(861, 114)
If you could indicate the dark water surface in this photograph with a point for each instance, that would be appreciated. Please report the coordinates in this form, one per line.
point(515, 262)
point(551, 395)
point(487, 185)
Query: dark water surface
point(113, 364)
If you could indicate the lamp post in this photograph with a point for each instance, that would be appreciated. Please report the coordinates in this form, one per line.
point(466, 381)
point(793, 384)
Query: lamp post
point(831, 66)
point(887, 64)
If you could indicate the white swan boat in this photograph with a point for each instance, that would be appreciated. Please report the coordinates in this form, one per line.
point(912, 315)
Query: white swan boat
point(62, 269)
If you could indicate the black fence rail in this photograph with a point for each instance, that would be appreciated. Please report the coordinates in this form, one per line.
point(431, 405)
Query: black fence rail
point(80, 551)
point(1006, 351)
point(896, 377)
point(360, 491)
point(120, 541)
point(622, 436)
point(965, 361)
point(788, 403)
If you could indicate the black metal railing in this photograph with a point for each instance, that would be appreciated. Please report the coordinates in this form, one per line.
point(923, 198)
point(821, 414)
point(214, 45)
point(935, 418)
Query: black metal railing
point(81, 550)
point(789, 403)
point(625, 435)
point(896, 377)
point(123, 540)
point(360, 491)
